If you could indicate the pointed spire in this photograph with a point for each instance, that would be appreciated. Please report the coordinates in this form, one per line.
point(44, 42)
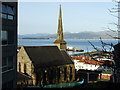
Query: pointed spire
point(60, 13)
point(60, 28)
point(60, 42)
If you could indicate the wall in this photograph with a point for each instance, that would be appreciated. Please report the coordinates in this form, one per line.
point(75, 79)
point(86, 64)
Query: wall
point(58, 74)
point(10, 49)
point(25, 65)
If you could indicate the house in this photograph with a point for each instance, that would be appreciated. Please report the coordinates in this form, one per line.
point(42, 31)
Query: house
point(88, 63)
point(45, 65)
point(92, 70)
point(85, 62)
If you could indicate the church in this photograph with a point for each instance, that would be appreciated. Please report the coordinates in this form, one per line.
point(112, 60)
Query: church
point(46, 64)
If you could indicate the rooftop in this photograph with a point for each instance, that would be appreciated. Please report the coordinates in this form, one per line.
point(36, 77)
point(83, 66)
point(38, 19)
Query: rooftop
point(46, 56)
point(89, 60)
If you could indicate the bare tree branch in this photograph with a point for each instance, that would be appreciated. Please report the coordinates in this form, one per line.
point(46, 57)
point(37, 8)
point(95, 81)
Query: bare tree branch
point(114, 15)
point(111, 11)
point(93, 46)
point(104, 46)
point(114, 24)
point(113, 37)
point(111, 29)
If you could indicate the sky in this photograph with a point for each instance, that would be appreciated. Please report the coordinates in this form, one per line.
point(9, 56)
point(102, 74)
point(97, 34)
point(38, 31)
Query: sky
point(42, 17)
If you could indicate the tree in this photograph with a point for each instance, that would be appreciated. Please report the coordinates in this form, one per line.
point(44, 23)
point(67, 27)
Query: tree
point(113, 11)
point(116, 52)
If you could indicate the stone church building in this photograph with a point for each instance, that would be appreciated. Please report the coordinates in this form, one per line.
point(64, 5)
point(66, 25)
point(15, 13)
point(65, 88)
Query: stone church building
point(45, 65)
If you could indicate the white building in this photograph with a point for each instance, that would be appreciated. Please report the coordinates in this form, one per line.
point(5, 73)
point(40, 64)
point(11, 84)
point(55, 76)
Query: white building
point(87, 63)
point(82, 65)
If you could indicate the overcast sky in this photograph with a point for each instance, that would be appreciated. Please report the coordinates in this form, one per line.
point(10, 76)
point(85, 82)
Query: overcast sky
point(42, 17)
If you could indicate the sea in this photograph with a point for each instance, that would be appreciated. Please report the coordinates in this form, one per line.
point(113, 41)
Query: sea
point(76, 43)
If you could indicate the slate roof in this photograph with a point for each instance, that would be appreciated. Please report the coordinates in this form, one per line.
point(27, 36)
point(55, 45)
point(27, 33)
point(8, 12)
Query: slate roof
point(47, 56)
point(66, 56)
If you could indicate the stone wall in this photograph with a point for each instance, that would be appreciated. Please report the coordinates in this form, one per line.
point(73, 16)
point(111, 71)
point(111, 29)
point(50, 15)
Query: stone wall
point(24, 65)
point(61, 45)
point(58, 74)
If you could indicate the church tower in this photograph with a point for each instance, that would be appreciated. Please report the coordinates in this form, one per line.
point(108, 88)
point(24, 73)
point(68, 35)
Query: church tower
point(60, 42)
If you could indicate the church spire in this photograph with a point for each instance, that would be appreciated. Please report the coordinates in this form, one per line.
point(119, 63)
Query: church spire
point(60, 42)
point(60, 28)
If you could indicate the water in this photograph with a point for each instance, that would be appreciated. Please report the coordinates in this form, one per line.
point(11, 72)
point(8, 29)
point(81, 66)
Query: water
point(80, 44)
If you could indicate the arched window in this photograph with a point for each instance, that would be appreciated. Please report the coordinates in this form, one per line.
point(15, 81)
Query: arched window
point(25, 68)
point(65, 73)
point(58, 73)
point(19, 67)
point(70, 73)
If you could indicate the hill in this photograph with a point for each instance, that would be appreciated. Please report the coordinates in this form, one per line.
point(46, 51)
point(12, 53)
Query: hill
point(68, 35)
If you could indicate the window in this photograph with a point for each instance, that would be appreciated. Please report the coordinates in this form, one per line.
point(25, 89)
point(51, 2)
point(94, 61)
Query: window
point(10, 62)
point(10, 17)
point(4, 37)
point(25, 68)
point(11, 37)
point(19, 67)
point(4, 16)
point(10, 10)
point(65, 73)
point(58, 73)
point(71, 73)
point(4, 8)
point(4, 63)
point(7, 37)
point(7, 63)
point(7, 12)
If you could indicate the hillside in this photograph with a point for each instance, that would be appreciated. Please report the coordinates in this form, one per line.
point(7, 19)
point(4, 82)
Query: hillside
point(68, 35)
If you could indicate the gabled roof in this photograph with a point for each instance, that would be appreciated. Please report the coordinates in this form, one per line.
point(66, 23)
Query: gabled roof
point(66, 56)
point(47, 56)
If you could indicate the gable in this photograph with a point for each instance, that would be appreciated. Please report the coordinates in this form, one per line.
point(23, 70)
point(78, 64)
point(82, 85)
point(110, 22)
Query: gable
point(23, 56)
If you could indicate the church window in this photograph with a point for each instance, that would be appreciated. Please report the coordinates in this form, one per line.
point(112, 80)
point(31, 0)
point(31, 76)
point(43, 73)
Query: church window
point(25, 68)
point(19, 67)
point(58, 73)
point(65, 73)
point(70, 73)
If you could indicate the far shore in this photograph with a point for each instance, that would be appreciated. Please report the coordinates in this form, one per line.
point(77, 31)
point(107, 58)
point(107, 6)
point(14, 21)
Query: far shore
point(68, 39)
